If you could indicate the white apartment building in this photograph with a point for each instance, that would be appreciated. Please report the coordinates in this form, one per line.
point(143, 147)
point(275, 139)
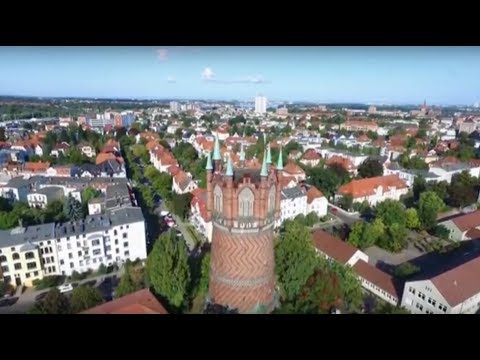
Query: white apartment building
point(454, 291)
point(260, 105)
point(45, 196)
point(36, 251)
point(293, 202)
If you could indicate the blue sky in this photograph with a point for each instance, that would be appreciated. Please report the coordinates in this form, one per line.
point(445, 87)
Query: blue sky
point(442, 75)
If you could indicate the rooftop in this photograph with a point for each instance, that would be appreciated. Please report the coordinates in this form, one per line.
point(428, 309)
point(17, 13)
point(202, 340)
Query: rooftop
point(292, 193)
point(22, 235)
point(378, 278)
point(140, 302)
point(333, 247)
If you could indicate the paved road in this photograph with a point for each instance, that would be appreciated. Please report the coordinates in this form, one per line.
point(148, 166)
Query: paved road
point(27, 299)
point(181, 226)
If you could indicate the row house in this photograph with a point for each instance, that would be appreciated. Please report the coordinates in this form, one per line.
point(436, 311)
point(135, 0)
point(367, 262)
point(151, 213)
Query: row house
point(183, 183)
point(374, 190)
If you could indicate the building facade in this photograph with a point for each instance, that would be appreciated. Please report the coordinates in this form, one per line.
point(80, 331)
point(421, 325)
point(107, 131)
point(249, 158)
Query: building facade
point(260, 105)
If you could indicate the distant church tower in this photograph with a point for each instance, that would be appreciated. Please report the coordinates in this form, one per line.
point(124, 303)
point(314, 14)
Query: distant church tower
point(243, 205)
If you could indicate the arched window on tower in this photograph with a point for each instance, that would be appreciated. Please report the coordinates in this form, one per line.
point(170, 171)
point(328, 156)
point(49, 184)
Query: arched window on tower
point(271, 199)
point(245, 203)
point(218, 200)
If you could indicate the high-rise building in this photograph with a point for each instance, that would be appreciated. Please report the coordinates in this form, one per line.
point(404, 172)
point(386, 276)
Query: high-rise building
point(174, 106)
point(260, 105)
point(372, 109)
point(128, 117)
point(243, 205)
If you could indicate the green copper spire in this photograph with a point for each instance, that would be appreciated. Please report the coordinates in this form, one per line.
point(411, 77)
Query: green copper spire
point(264, 165)
point(216, 150)
point(229, 166)
point(209, 161)
point(269, 155)
point(242, 154)
point(280, 160)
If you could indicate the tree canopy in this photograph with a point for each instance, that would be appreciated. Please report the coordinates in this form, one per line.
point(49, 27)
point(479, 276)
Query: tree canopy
point(370, 168)
point(85, 297)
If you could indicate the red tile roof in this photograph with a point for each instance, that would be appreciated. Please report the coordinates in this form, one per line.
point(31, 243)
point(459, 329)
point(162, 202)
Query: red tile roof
point(311, 154)
point(313, 193)
point(102, 157)
point(376, 277)
point(293, 169)
point(173, 170)
point(36, 166)
point(366, 187)
point(459, 283)
point(467, 221)
point(340, 160)
point(473, 234)
point(140, 302)
point(333, 247)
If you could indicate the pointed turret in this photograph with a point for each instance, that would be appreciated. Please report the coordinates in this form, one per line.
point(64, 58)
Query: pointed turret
point(280, 160)
point(269, 155)
point(209, 161)
point(229, 171)
point(216, 150)
point(264, 171)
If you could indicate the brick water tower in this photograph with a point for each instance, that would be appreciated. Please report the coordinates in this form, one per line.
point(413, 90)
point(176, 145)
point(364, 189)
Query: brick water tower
point(243, 204)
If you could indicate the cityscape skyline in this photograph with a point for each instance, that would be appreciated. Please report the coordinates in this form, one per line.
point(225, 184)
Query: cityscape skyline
point(388, 75)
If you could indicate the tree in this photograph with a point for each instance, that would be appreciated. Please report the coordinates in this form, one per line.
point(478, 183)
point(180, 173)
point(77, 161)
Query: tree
point(419, 186)
point(406, 269)
point(429, 206)
point(356, 234)
point(102, 269)
point(2, 134)
point(181, 204)
point(463, 189)
point(167, 268)
point(370, 168)
point(442, 232)
point(204, 275)
point(54, 303)
point(411, 219)
point(73, 209)
point(372, 232)
point(395, 240)
point(90, 193)
point(295, 260)
point(391, 212)
point(85, 297)
point(346, 202)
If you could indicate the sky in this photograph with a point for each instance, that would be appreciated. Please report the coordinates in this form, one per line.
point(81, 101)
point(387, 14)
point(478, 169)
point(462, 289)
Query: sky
point(379, 75)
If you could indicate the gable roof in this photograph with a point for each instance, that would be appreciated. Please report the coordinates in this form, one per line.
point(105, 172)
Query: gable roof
point(366, 187)
point(140, 302)
point(293, 169)
point(313, 193)
point(467, 221)
point(333, 247)
point(377, 277)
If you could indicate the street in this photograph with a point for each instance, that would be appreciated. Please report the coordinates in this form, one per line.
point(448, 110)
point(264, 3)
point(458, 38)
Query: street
point(342, 215)
point(181, 226)
point(30, 295)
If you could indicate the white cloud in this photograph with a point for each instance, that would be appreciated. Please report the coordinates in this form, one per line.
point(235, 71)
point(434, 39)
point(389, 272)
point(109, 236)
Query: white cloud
point(162, 54)
point(171, 79)
point(208, 74)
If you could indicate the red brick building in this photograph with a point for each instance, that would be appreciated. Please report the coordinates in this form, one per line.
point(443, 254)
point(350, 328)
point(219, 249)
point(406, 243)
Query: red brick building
point(243, 204)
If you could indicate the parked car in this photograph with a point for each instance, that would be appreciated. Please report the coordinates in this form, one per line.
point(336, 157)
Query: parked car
point(65, 288)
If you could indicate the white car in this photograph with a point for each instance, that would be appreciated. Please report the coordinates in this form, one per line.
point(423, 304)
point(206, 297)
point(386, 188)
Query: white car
point(65, 288)
point(164, 213)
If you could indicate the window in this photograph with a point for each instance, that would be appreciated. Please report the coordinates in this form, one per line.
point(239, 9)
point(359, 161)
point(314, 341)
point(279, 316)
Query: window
point(53, 268)
point(125, 244)
point(124, 235)
point(271, 199)
point(245, 203)
point(31, 265)
point(41, 243)
point(63, 272)
point(128, 226)
point(70, 255)
point(3, 258)
point(78, 244)
point(45, 251)
point(218, 200)
point(97, 252)
point(29, 255)
point(419, 306)
point(69, 247)
point(62, 262)
point(442, 307)
point(431, 301)
point(108, 248)
point(59, 248)
point(116, 241)
point(117, 251)
point(421, 295)
point(48, 242)
point(81, 262)
point(412, 290)
point(114, 232)
point(71, 265)
point(47, 260)
point(79, 253)
point(68, 238)
point(84, 236)
point(12, 249)
point(17, 266)
point(4, 269)
point(77, 237)
point(35, 273)
point(50, 248)
point(121, 227)
point(95, 242)
point(15, 256)
point(126, 253)
point(27, 275)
